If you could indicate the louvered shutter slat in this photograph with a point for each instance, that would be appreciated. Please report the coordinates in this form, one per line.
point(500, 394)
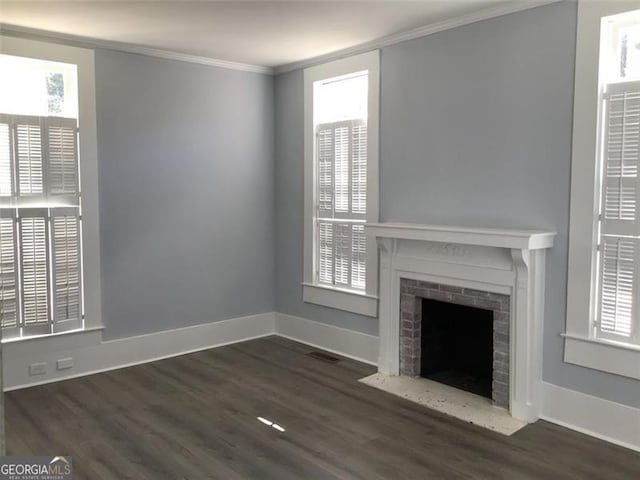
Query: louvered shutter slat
point(67, 296)
point(35, 272)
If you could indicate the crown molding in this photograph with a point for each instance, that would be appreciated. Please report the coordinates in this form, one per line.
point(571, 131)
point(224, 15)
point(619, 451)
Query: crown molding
point(78, 41)
point(485, 14)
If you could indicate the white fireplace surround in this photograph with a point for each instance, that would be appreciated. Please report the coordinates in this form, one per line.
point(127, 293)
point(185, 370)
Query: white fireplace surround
point(506, 261)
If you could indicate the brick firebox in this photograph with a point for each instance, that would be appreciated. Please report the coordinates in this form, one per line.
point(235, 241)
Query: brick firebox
point(413, 291)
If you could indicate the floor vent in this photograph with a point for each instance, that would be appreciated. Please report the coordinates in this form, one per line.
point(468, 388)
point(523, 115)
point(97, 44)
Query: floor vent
point(325, 357)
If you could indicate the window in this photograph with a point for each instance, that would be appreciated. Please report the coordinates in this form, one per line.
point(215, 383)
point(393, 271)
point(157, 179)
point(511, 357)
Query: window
point(43, 164)
point(341, 183)
point(341, 177)
point(618, 223)
point(603, 302)
point(40, 222)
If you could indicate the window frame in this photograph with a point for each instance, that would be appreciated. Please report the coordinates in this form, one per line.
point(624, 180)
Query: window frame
point(582, 345)
point(364, 303)
point(87, 151)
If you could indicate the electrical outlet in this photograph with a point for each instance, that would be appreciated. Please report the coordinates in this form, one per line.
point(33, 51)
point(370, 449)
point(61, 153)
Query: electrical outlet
point(64, 363)
point(37, 369)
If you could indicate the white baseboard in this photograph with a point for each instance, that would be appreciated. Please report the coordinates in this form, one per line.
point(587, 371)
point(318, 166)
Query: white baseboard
point(348, 343)
point(91, 355)
point(609, 421)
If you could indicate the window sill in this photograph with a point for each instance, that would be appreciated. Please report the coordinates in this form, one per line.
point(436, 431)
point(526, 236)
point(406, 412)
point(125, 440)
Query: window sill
point(80, 335)
point(346, 300)
point(603, 355)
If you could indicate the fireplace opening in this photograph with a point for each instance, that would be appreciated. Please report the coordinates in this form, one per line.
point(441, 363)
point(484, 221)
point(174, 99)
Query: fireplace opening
point(457, 346)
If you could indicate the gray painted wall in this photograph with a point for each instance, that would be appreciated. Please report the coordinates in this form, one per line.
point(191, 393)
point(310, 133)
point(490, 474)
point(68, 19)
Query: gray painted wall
point(186, 193)
point(475, 130)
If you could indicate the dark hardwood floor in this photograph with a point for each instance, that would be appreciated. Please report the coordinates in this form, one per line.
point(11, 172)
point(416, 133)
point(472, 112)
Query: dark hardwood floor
point(195, 417)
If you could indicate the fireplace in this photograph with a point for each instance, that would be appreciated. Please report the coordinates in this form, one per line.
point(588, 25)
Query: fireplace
point(498, 271)
point(456, 336)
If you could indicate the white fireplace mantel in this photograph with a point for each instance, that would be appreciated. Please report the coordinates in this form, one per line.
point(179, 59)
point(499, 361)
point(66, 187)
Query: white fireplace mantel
point(499, 260)
point(489, 237)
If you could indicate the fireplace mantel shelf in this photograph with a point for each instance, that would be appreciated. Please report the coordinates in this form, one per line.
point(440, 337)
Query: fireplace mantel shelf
point(487, 237)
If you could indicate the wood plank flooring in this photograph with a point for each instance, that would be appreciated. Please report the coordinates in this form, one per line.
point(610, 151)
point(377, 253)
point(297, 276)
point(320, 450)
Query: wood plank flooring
point(195, 417)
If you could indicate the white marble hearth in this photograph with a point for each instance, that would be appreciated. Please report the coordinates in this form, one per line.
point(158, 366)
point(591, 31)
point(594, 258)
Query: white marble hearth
point(504, 261)
point(451, 401)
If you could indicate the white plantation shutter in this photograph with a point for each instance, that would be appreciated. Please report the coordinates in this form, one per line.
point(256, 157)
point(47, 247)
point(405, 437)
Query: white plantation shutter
point(358, 257)
point(342, 253)
point(63, 188)
point(9, 303)
point(619, 274)
point(6, 165)
point(67, 297)
point(325, 172)
point(34, 262)
point(341, 175)
point(359, 169)
point(28, 146)
point(341, 168)
point(619, 218)
point(325, 247)
point(9, 313)
point(62, 160)
point(40, 248)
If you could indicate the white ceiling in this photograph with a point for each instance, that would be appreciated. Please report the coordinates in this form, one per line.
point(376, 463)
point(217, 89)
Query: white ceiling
point(260, 32)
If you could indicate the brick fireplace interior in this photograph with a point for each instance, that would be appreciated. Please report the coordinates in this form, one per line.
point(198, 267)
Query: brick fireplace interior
point(457, 346)
point(456, 336)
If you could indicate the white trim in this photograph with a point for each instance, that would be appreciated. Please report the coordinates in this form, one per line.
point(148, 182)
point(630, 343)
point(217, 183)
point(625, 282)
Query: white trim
point(371, 62)
point(493, 260)
point(348, 343)
point(505, 8)
point(88, 152)
point(55, 37)
point(340, 299)
point(609, 421)
point(603, 355)
point(31, 338)
point(490, 237)
point(90, 355)
point(423, 31)
point(584, 194)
